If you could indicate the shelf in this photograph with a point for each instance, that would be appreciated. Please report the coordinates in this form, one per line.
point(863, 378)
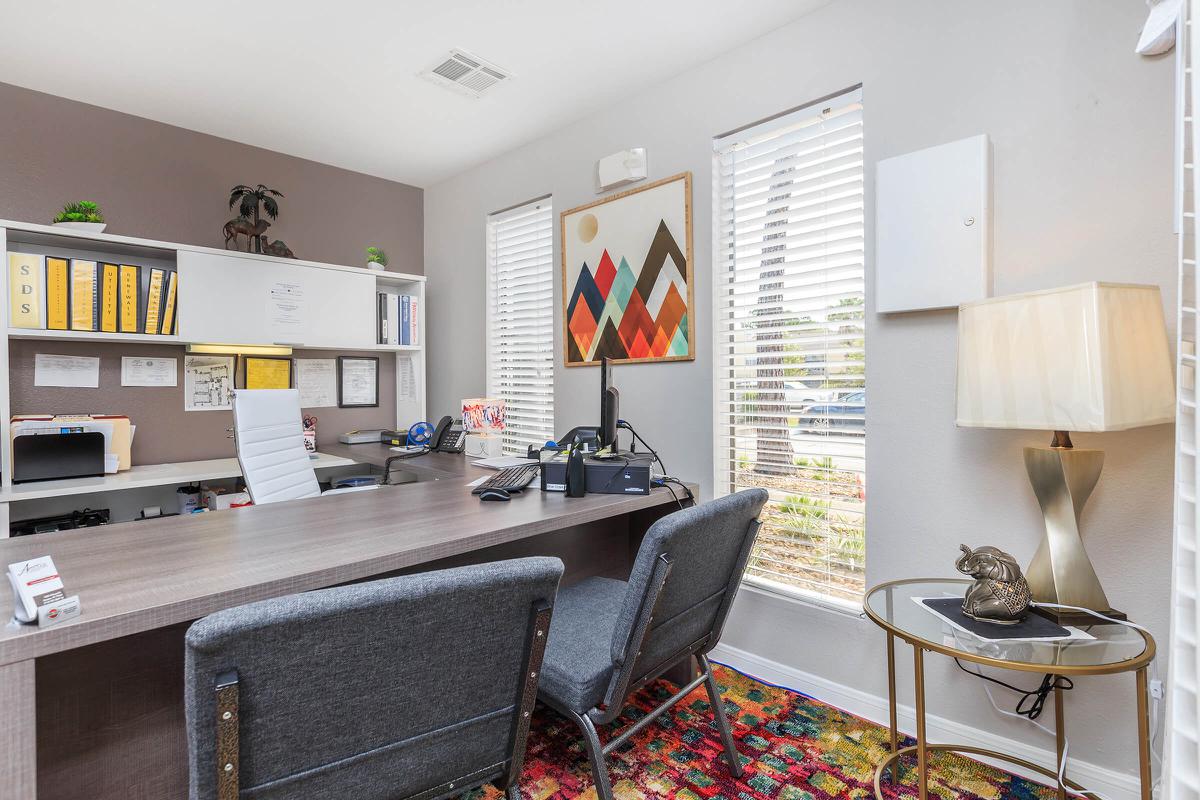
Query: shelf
point(145, 476)
point(399, 348)
point(91, 336)
point(396, 277)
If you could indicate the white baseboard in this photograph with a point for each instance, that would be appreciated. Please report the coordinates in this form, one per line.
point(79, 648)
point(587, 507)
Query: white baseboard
point(1109, 783)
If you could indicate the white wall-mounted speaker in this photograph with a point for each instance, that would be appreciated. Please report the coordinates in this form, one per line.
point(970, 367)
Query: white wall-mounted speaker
point(621, 168)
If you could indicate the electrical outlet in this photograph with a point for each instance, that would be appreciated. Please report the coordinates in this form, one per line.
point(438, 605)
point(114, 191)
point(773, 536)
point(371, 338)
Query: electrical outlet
point(1156, 689)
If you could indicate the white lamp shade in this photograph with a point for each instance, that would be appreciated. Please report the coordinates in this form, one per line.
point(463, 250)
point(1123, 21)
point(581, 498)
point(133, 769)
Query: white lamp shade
point(1092, 357)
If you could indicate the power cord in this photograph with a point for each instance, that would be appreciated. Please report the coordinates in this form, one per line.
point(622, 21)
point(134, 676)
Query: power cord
point(1024, 714)
point(1035, 697)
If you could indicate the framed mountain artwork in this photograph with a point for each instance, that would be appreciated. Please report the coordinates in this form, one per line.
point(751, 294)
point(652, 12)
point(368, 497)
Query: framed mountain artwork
point(627, 276)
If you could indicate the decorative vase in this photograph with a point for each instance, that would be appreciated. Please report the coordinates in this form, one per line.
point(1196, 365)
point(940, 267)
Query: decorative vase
point(375, 265)
point(90, 227)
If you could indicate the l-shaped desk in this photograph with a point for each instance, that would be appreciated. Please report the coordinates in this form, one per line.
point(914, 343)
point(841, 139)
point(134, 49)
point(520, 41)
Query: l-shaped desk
point(94, 707)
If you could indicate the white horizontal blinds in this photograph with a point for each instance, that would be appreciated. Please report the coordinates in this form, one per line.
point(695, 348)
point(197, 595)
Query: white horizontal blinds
point(520, 321)
point(1183, 696)
point(789, 360)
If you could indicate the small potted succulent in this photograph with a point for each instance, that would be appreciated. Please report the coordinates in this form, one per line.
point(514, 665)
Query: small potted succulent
point(83, 215)
point(376, 258)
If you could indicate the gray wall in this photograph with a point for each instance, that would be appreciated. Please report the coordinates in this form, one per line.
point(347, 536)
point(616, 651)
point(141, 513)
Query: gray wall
point(1082, 133)
point(167, 183)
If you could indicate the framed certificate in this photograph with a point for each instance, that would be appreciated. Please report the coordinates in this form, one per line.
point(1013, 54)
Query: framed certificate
point(259, 372)
point(358, 381)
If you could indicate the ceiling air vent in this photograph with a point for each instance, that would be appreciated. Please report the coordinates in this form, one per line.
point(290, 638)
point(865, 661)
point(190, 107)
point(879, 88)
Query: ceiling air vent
point(466, 74)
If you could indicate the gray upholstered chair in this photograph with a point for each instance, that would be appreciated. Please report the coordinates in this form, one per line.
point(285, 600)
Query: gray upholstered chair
point(414, 687)
point(610, 637)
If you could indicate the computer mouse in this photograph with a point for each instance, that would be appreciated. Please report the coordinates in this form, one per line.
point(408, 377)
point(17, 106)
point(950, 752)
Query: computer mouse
point(495, 494)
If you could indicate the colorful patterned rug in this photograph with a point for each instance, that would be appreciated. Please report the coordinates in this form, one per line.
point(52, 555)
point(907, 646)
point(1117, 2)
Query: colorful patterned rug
point(793, 747)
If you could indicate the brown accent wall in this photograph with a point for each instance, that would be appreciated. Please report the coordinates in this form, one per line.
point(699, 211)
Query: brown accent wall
point(162, 182)
point(165, 432)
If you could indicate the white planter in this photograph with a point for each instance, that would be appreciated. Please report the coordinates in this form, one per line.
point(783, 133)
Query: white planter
point(90, 227)
point(375, 265)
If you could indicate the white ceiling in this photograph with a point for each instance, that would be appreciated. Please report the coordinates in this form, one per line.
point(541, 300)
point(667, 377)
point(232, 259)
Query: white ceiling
point(337, 82)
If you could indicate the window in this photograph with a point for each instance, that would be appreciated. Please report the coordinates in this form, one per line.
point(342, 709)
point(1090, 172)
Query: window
point(520, 321)
point(789, 357)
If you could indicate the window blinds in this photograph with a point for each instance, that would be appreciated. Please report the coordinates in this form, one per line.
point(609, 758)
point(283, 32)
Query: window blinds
point(789, 357)
point(520, 321)
point(1183, 713)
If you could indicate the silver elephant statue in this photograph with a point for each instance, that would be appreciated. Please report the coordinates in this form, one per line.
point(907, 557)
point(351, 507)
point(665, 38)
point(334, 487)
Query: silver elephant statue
point(1000, 593)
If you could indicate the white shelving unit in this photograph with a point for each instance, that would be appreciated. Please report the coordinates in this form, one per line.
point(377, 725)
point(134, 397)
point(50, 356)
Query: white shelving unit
point(341, 301)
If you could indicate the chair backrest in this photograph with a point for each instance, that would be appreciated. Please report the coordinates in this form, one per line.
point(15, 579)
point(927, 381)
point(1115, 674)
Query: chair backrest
point(270, 445)
point(416, 685)
point(684, 579)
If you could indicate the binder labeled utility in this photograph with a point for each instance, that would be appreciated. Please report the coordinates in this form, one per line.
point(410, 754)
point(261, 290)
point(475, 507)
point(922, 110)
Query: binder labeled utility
point(109, 291)
point(57, 293)
point(129, 291)
point(153, 278)
point(26, 291)
point(83, 295)
point(168, 317)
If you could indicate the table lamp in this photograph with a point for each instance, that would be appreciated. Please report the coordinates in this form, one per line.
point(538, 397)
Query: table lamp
point(1092, 357)
point(484, 420)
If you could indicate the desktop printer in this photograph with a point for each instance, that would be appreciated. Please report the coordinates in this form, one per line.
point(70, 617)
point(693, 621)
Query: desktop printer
point(602, 476)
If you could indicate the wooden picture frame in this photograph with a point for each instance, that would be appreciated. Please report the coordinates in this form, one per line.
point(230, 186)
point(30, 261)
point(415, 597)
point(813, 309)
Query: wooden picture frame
point(361, 391)
point(262, 370)
point(655, 320)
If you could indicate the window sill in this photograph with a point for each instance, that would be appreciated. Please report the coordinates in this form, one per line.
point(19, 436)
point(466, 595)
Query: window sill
point(801, 598)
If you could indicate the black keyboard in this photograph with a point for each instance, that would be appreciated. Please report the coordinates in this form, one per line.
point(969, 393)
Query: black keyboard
point(510, 479)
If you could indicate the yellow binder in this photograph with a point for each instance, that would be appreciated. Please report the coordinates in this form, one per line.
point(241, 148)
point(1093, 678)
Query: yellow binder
point(168, 320)
point(26, 278)
point(56, 293)
point(129, 289)
point(108, 297)
point(154, 301)
point(83, 295)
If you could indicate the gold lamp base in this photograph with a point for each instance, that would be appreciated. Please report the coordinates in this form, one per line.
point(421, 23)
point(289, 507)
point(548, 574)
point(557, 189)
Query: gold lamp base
point(1061, 572)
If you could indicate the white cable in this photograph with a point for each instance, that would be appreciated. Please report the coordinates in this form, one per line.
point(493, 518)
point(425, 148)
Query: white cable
point(1085, 794)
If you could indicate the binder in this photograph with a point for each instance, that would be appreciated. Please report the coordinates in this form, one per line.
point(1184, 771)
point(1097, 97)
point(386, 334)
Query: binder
point(381, 307)
point(109, 276)
point(130, 295)
point(56, 293)
point(394, 317)
point(26, 291)
point(153, 279)
point(84, 308)
point(412, 321)
point(168, 319)
point(405, 319)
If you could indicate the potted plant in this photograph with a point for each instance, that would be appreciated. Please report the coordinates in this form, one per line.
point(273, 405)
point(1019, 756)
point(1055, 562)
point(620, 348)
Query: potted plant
point(376, 258)
point(83, 215)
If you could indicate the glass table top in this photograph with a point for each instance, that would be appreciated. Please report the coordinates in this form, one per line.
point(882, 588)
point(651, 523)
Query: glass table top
point(895, 606)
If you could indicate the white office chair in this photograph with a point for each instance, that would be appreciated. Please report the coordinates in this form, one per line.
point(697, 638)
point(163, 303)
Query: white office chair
point(270, 447)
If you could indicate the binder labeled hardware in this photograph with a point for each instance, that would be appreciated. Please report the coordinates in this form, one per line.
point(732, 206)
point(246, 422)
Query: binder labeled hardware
point(109, 292)
point(57, 293)
point(84, 307)
point(130, 290)
point(26, 291)
point(168, 319)
point(154, 299)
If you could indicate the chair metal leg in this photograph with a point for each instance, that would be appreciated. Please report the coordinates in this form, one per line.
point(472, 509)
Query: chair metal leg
point(512, 793)
point(595, 751)
point(718, 710)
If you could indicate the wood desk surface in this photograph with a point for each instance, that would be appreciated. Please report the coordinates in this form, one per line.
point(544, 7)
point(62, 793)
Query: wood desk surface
point(137, 576)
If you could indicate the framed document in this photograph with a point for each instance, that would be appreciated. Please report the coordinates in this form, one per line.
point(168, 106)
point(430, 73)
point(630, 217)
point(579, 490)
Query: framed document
point(358, 381)
point(259, 372)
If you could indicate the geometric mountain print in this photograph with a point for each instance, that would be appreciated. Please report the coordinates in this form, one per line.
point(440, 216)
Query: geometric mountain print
point(622, 315)
point(791, 748)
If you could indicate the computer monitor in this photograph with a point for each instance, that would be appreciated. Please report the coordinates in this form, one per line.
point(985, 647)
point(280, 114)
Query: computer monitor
point(609, 406)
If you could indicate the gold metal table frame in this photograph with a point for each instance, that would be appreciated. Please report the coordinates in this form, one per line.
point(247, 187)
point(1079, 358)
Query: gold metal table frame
point(1138, 665)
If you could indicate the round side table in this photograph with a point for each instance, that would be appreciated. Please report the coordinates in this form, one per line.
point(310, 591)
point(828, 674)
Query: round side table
point(1115, 648)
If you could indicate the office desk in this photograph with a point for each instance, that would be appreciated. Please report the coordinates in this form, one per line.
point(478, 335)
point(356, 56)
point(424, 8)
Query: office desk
point(102, 696)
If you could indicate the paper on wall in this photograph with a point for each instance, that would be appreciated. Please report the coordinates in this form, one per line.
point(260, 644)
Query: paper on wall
point(139, 371)
point(207, 383)
point(287, 311)
point(316, 379)
point(406, 386)
point(77, 372)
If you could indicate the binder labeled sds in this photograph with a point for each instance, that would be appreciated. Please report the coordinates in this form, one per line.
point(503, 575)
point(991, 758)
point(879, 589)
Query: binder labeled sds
point(26, 291)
